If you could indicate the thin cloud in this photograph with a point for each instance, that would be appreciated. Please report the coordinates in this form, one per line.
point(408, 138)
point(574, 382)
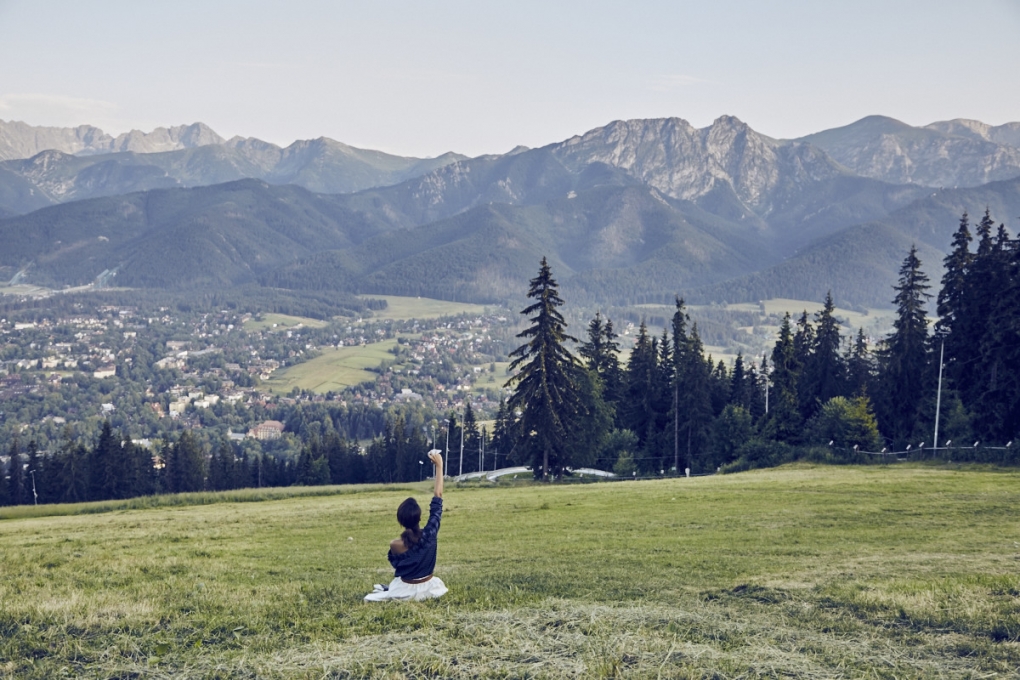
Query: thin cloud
point(672, 81)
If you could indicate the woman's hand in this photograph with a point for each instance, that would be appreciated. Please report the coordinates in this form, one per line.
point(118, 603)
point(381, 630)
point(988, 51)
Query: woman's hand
point(436, 456)
point(437, 459)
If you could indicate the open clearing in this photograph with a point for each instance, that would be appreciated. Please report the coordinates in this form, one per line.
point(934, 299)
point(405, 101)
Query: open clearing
point(401, 308)
point(334, 369)
point(811, 572)
point(282, 322)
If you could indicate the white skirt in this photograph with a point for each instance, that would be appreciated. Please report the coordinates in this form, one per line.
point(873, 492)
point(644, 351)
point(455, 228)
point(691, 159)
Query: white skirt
point(399, 590)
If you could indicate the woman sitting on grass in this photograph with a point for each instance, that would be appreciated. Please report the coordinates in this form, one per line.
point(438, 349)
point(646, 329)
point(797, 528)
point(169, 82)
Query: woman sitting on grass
point(413, 555)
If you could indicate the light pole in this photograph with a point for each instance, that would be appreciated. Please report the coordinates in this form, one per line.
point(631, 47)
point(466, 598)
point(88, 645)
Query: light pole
point(421, 466)
point(447, 421)
point(938, 397)
point(461, 471)
point(35, 496)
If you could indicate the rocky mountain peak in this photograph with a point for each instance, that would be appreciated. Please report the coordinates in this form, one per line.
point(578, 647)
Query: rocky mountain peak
point(683, 162)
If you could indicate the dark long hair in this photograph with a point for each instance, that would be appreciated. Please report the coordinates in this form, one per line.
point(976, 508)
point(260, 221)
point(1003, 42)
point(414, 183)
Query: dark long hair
point(409, 516)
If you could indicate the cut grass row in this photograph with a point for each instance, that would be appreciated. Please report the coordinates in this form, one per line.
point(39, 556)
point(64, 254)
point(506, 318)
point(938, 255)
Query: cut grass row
point(802, 571)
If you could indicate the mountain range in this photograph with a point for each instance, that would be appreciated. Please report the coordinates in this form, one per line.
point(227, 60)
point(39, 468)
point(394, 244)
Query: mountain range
point(634, 211)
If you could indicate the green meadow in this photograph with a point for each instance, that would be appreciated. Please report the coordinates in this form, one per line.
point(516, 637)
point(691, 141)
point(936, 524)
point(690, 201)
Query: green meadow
point(281, 322)
point(403, 308)
point(334, 369)
point(808, 572)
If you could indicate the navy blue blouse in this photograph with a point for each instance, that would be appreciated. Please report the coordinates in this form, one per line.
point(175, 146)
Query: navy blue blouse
point(420, 559)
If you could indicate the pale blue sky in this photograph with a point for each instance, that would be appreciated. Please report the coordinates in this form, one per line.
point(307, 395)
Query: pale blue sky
point(421, 78)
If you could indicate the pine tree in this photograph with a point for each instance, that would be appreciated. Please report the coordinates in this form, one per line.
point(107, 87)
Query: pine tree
point(470, 439)
point(681, 345)
point(904, 355)
point(502, 440)
point(17, 491)
point(188, 472)
point(952, 300)
point(824, 373)
point(545, 394)
point(740, 394)
point(642, 386)
point(5, 490)
point(783, 421)
point(997, 403)
point(695, 403)
point(860, 367)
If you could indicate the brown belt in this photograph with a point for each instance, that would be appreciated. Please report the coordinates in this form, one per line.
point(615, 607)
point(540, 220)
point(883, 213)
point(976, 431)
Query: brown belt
point(416, 581)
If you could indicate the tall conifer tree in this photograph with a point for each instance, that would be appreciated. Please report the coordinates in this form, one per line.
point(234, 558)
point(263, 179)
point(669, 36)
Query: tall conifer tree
point(546, 393)
point(904, 355)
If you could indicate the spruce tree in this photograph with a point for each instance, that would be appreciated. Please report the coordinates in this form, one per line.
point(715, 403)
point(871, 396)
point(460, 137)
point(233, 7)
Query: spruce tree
point(824, 373)
point(5, 490)
point(997, 405)
point(904, 354)
point(546, 394)
point(642, 392)
point(860, 367)
point(695, 403)
point(470, 439)
point(17, 491)
point(189, 473)
point(952, 300)
point(783, 421)
point(739, 394)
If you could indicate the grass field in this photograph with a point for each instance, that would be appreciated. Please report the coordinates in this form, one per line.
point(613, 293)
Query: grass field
point(401, 308)
point(281, 322)
point(333, 370)
point(810, 572)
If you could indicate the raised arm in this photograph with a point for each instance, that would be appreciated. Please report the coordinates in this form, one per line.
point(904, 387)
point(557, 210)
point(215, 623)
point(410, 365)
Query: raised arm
point(437, 459)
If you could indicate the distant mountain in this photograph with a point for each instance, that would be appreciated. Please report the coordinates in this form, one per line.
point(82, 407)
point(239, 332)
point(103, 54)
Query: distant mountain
point(951, 154)
point(634, 211)
point(220, 236)
point(85, 163)
point(860, 264)
point(778, 194)
point(20, 140)
point(1007, 134)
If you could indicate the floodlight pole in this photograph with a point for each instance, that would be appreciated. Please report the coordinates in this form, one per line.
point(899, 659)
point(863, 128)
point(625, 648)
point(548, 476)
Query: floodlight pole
point(938, 398)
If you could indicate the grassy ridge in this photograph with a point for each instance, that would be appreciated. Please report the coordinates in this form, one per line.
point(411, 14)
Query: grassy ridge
point(811, 572)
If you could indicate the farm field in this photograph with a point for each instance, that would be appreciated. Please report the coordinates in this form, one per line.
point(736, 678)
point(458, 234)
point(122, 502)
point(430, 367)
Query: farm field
point(334, 369)
point(401, 308)
point(800, 571)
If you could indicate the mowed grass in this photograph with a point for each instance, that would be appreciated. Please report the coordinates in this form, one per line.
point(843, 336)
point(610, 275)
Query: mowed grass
point(334, 369)
point(811, 572)
point(403, 308)
point(282, 322)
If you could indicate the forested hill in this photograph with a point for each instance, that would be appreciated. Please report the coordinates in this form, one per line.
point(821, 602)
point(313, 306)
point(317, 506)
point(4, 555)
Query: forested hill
point(217, 236)
point(859, 263)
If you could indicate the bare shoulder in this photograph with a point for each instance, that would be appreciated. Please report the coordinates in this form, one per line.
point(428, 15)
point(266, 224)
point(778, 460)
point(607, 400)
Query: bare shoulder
point(397, 546)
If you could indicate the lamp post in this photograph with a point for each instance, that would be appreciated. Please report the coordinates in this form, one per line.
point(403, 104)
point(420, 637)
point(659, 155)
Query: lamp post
point(938, 397)
point(461, 471)
point(421, 466)
point(447, 421)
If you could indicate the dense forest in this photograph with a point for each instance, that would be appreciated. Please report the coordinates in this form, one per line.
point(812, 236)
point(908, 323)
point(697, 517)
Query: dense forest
point(948, 390)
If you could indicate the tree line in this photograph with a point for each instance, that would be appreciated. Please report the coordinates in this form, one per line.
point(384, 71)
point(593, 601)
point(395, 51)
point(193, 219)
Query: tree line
point(934, 390)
